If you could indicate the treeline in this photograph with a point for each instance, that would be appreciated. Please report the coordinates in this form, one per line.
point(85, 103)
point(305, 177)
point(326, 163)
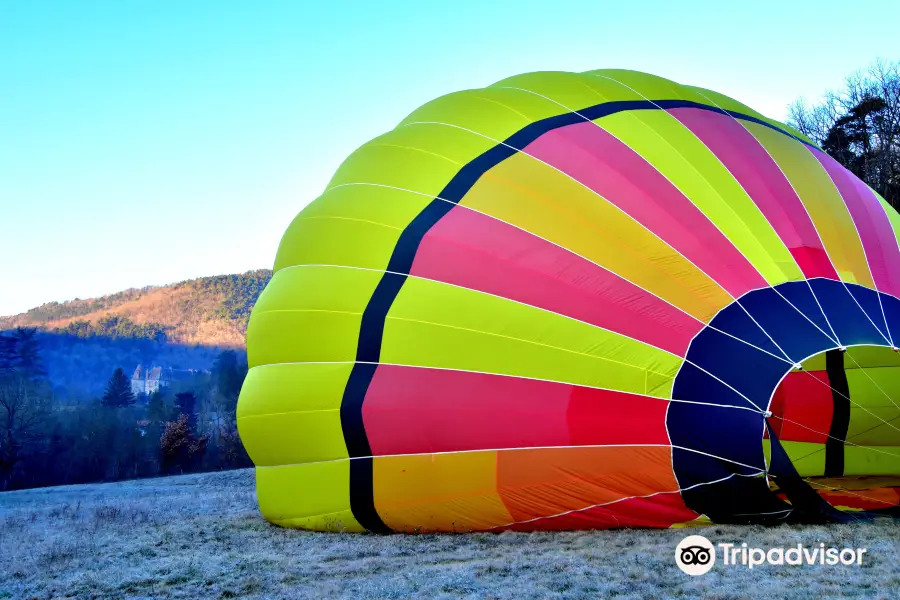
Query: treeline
point(54, 311)
point(115, 327)
point(238, 292)
point(211, 312)
point(78, 367)
point(187, 427)
point(221, 297)
point(859, 126)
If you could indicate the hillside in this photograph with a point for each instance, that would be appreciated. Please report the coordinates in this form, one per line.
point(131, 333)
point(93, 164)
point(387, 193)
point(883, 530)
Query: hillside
point(210, 311)
point(183, 326)
point(201, 537)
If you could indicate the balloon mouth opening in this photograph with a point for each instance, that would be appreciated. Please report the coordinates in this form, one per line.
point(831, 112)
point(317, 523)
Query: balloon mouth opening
point(836, 418)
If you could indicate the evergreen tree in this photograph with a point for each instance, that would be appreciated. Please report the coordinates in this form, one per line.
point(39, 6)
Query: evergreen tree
point(7, 354)
point(118, 390)
point(157, 412)
point(849, 140)
point(230, 372)
point(187, 406)
point(859, 126)
point(27, 353)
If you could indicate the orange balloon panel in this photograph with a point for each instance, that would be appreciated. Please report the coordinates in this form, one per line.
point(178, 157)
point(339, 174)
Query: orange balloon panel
point(494, 489)
point(535, 483)
point(439, 492)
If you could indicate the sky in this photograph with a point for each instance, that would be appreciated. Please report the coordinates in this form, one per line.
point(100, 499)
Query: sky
point(144, 142)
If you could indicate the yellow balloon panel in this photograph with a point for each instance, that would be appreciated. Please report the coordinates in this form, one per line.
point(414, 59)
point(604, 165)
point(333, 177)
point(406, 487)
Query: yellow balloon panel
point(294, 437)
point(384, 163)
point(871, 460)
point(496, 113)
point(283, 388)
point(321, 324)
point(567, 91)
point(443, 326)
point(439, 492)
point(284, 498)
point(313, 241)
point(290, 413)
point(649, 87)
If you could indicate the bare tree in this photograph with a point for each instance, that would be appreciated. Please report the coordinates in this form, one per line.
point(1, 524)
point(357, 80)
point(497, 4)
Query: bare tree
point(24, 407)
point(859, 126)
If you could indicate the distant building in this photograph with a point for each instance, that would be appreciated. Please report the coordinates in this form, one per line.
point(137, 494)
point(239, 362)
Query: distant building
point(147, 381)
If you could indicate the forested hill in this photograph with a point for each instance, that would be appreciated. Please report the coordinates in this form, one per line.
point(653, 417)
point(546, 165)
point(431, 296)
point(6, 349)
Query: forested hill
point(210, 311)
point(183, 326)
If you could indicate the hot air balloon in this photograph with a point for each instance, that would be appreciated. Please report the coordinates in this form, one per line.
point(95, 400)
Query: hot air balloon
point(577, 301)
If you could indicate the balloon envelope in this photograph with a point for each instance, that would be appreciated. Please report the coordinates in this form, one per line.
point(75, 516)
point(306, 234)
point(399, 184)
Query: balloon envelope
point(579, 300)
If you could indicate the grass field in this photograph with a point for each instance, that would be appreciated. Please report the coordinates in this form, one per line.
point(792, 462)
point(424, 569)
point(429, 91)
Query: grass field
point(200, 536)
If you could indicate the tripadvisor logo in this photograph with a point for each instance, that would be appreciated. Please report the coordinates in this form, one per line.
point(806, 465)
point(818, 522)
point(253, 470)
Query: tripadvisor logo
point(696, 555)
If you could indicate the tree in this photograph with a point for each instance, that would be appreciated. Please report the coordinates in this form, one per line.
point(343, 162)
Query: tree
point(24, 406)
point(230, 373)
point(232, 454)
point(24, 401)
point(859, 126)
point(28, 353)
point(118, 390)
point(7, 355)
point(179, 447)
point(157, 411)
point(21, 353)
point(187, 406)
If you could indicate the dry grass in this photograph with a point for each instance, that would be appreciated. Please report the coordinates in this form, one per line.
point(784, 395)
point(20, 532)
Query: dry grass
point(200, 536)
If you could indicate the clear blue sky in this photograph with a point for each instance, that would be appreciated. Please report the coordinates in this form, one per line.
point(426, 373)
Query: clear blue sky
point(146, 142)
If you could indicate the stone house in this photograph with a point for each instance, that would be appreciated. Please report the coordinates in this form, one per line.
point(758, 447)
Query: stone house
point(148, 380)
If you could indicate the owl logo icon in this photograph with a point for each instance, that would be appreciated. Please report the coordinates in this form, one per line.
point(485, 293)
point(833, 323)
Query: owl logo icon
point(695, 555)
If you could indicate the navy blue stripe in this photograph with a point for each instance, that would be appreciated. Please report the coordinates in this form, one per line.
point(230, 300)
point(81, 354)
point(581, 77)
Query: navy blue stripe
point(362, 495)
point(840, 419)
point(372, 327)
